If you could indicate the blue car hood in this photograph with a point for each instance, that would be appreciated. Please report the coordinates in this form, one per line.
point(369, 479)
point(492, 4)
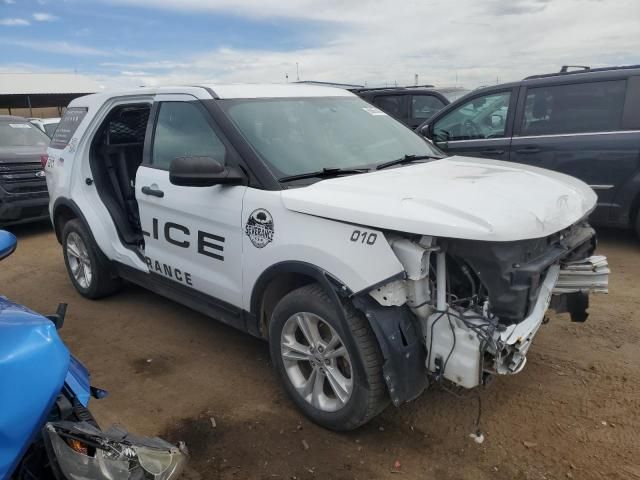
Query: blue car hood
point(33, 365)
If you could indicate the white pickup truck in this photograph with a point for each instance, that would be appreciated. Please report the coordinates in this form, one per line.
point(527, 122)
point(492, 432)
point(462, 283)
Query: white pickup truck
point(373, 265)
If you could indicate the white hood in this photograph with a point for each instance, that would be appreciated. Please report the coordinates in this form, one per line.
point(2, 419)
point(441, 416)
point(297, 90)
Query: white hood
point(457, 197)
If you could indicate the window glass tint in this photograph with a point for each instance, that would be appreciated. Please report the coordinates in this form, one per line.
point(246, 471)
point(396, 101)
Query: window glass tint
point(182, 130)
point(576, 108)
point(305, 135)
point(392, 104)
point(425, 106)
point(21, 134)
point(67, 127)
point(481, 117)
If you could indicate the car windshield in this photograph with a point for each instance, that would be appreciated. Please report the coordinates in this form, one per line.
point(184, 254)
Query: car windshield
point(300, 135)
point(21, 134)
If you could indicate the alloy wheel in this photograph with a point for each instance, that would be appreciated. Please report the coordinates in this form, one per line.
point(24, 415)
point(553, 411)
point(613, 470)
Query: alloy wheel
point(316, 361)
point(79, 260)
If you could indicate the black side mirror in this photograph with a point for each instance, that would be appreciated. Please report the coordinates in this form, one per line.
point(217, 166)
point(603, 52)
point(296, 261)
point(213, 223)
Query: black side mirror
point(424, 131)
point(203, 172)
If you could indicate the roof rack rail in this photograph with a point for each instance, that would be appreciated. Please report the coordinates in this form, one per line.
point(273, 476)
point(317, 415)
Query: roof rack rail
point(580, 69)
point(368, 89)
point(565, 68)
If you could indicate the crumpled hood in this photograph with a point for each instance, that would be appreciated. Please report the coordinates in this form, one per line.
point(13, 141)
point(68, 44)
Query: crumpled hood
point(456, 197)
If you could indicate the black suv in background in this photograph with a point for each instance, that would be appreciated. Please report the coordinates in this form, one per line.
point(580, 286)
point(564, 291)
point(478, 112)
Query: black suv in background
point(23, 187)
point(585, 123)
point(410, 105)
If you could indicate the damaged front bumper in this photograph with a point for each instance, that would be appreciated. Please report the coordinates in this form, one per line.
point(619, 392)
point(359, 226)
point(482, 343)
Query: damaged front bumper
point(477, 305)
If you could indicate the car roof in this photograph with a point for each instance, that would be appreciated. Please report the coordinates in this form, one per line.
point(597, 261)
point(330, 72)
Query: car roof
point(566, 77)
point(395, 90)
point(219, 91)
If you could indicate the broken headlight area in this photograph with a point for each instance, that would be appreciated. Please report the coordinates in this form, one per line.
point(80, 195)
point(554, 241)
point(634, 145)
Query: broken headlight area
point(479, 304)
point(80, 451)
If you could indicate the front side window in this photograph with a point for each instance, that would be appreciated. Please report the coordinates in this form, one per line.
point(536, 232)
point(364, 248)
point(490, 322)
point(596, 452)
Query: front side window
point(425, 106)
point(301, 135)
point(392, 104)
point(478, 118)
point(575, 108)
point(182, 130)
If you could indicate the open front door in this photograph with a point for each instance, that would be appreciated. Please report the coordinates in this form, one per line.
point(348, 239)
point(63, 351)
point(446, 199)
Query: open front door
point(192, 235)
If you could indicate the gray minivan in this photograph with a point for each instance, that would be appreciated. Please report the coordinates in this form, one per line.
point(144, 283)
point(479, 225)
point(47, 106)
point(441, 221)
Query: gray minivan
point(585, 123)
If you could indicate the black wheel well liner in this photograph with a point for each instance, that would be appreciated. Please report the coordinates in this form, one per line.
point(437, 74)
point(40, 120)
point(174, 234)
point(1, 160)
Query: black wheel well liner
point(65, 209)
point(283, 277)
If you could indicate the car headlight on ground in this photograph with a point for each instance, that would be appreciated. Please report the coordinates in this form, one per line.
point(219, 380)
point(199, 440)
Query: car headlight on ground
point(80, 451)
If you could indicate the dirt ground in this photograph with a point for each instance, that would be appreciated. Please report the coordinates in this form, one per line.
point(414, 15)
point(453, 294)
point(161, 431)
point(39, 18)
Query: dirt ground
point(574, 412)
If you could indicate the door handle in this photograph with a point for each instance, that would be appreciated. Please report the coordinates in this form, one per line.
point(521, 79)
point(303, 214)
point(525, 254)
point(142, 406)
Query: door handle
point(492, 151)
point(528, 150)
point(152, 191)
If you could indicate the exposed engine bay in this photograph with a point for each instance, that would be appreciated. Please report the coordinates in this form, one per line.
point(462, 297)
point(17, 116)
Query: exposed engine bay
point(478, 304)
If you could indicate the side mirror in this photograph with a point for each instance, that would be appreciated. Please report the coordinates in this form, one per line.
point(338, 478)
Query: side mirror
point(8, 243)
point(424, 131)
point(203, 172)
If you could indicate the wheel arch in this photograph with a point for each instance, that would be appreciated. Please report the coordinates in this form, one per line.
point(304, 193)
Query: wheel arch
point(65, 209)
point(281, 278)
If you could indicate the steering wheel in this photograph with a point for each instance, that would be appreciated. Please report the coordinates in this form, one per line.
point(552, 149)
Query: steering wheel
point(471, 130)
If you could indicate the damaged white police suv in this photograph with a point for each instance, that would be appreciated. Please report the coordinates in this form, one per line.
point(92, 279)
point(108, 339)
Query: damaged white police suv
point(303, 215)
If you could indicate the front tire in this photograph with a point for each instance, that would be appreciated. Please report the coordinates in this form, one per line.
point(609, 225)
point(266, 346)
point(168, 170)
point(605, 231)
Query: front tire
point(87, 267)
point(330, 367)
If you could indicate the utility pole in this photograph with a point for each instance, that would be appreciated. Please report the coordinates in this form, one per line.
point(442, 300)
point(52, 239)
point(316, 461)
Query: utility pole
point(297, 73)
point(415, 79)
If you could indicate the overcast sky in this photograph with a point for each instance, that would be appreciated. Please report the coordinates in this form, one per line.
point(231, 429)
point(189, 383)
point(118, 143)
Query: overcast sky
point(446, 42)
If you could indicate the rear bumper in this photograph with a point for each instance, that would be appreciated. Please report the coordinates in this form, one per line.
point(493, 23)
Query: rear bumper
point(23, 207)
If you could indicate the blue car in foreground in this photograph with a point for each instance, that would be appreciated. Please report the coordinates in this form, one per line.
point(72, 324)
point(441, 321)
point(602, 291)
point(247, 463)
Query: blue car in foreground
point(46, 429)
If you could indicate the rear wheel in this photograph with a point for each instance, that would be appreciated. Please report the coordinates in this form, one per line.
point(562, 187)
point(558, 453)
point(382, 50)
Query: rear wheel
point(331, 369)
point(87, 267)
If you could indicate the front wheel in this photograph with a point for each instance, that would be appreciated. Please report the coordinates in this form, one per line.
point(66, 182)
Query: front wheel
point(86, 265)
point(330, 367)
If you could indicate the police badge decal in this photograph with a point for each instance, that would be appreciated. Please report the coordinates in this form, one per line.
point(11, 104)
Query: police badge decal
point(259, 228)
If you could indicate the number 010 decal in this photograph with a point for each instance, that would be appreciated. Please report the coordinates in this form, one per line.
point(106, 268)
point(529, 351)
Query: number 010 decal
point(366, 238)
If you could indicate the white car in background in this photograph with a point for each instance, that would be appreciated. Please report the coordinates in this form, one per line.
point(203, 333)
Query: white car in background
point(306, 216)
point(47, 125)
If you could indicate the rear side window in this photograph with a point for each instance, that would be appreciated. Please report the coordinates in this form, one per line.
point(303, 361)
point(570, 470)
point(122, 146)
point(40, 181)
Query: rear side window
point(631, 116)
point(128, 126)
point(574, 108)
point(182, 130)
point(67, 127)
point(425, 106)
point(392, 104)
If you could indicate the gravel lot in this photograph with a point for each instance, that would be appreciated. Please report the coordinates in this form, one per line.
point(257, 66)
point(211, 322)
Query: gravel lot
point(573, 413)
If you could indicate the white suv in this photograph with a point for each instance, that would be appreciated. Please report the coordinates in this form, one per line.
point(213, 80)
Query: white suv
point(306, 216)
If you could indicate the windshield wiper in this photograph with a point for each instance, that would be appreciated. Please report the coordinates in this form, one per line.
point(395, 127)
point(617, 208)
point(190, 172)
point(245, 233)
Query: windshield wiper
point(406, 159)
point(324, 173)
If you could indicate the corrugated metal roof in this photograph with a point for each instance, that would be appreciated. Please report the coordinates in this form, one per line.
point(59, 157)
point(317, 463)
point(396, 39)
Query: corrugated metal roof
point(43, 83)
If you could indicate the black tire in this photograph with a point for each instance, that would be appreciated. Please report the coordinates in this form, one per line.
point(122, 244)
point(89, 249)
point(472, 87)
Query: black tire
point(103, 281)
point(369, 394)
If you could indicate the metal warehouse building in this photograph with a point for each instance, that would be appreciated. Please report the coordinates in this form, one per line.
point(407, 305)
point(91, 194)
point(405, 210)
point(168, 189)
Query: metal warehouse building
point(41, 94)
